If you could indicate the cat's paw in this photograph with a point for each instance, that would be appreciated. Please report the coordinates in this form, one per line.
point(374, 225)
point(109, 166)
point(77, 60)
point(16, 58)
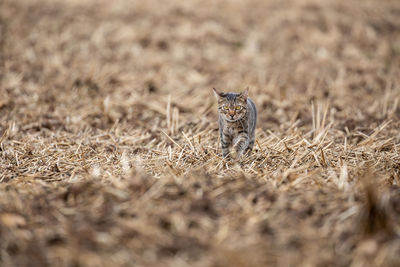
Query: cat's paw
point(234, 154)
point(239, 153)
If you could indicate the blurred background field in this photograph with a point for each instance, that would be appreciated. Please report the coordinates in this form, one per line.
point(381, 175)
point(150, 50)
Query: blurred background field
point(109, 151)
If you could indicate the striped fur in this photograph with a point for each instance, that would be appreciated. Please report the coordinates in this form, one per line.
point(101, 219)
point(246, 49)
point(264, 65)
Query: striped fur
point(237, 118)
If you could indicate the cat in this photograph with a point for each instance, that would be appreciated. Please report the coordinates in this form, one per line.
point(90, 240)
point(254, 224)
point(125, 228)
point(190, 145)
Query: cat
point(237, 119)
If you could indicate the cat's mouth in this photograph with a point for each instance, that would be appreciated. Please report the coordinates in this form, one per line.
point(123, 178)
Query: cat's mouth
point(232, 120)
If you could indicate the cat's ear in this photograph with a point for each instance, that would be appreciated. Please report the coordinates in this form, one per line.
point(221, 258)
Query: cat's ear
point(218, 94)
point(245, 94)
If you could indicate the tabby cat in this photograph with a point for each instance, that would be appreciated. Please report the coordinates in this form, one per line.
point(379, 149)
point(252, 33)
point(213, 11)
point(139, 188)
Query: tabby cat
point(237, 118)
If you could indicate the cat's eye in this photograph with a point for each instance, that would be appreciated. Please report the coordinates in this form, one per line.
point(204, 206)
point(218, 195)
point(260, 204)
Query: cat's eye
point(226, 107)
point(238, 107)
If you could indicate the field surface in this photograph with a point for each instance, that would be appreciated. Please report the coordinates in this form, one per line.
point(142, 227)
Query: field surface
point(109, 150)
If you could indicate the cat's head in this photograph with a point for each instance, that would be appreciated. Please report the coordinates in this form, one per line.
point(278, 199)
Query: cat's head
point(232, 106)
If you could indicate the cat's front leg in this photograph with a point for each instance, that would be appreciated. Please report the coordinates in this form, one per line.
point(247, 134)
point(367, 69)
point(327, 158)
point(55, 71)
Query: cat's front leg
point(225, 144)
point(250, 146)
point(241, 144)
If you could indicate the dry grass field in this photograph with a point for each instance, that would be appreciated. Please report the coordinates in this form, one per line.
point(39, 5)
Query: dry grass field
point(109, 150)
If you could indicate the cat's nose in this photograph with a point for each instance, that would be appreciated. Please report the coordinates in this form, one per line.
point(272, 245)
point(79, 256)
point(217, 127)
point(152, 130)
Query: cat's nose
point(231, 113)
